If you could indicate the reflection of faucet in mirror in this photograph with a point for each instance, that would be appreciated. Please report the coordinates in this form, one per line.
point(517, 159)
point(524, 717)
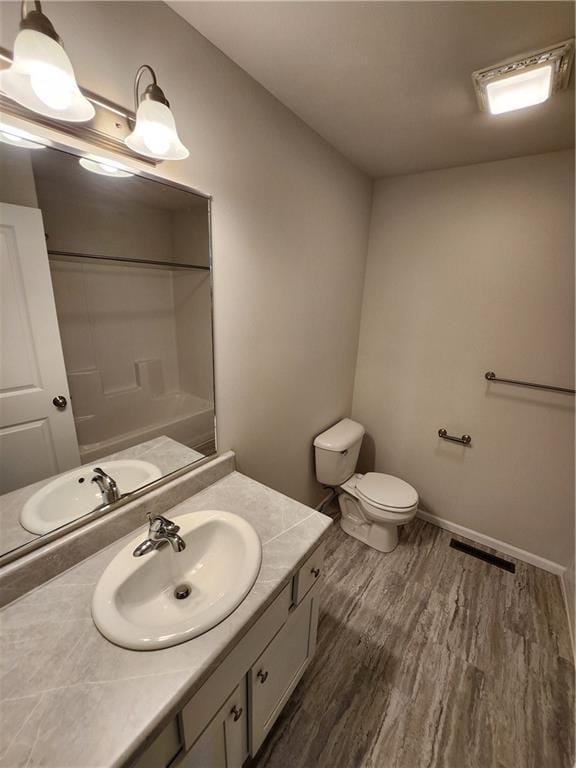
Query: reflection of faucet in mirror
point(107, 485)
point(161, 531)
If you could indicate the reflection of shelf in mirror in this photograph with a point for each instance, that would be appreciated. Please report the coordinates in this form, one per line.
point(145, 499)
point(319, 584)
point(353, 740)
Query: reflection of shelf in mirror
point(71, 256)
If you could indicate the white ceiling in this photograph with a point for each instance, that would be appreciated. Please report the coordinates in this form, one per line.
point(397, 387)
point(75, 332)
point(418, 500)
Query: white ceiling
point(388, 83)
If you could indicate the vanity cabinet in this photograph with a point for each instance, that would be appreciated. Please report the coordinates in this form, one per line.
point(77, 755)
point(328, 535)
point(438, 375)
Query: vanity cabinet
point(231, 714)
point(278, 670)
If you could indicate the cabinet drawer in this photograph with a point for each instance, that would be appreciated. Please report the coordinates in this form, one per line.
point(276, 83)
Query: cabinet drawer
point(276, 673)
point(224, 742)
point(163, 749)
point(208, 699)
point(308, 574)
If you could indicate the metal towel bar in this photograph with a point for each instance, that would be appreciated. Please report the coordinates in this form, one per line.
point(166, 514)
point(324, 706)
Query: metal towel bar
point(491, 376)
point(464, 440)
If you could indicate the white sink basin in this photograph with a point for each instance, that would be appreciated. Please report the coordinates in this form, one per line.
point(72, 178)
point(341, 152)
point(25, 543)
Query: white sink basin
point(134, 604)
point(73, 494)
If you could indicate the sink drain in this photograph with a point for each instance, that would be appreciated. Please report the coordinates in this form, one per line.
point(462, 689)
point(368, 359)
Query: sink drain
point(182, 591)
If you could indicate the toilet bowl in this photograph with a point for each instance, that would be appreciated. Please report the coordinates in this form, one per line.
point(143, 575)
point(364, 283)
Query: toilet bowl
point(372, 505)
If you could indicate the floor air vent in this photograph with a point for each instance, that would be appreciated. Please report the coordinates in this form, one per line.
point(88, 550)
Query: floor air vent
point(468, 549)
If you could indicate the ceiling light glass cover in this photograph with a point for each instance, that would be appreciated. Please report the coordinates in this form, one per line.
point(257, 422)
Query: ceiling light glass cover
point(519, 91)
point(524, 82)
point(154, 133)
point(104, 167)
point(41, 77)
point(17, 138)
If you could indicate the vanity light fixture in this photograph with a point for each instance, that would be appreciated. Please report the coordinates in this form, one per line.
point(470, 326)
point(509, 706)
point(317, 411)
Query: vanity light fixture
point(41, 77)
point(18, 138)
point(524, 82)
point(104, 167)
point(154, 134)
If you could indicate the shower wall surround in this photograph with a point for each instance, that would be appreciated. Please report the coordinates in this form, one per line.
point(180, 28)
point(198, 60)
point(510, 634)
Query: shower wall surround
point(137, 342)
point(124, 357)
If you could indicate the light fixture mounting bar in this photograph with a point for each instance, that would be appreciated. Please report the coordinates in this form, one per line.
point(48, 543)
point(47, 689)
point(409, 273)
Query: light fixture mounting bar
point(107, 129)
point(560, 56)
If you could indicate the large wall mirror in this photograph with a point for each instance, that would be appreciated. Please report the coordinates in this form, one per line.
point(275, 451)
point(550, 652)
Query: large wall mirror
point(106, 378)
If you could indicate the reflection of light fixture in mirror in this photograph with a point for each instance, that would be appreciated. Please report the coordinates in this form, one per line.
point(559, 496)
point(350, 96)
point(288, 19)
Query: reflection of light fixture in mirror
point(41, 77)
point(154, 133)
point(524, 82)
point(104, 167)
point(17, 138)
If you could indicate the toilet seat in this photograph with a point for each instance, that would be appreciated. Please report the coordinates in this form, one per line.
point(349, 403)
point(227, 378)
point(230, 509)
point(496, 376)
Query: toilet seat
point(387, 493)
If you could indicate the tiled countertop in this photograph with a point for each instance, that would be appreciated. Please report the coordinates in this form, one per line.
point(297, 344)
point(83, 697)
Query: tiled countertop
point(71, 699)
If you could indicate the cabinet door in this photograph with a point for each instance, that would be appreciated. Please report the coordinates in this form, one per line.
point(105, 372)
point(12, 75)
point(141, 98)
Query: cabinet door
point(276, 673)
point(224, 742)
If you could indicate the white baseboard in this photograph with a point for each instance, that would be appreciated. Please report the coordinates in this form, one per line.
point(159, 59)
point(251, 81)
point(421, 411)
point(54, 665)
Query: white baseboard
point(501, 546)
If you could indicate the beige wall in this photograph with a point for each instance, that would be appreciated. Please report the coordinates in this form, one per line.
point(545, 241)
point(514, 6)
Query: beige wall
point(469, 270)
point(290, 221)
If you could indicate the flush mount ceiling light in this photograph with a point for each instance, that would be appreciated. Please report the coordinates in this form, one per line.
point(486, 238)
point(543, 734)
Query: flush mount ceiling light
point(17, 138)
point(154, 134)
point(104, 167)
point(41, 77)
point(520, 83)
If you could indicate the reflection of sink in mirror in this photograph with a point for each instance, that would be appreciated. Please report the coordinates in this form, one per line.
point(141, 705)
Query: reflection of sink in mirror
point(73, 494)
point(135, 603)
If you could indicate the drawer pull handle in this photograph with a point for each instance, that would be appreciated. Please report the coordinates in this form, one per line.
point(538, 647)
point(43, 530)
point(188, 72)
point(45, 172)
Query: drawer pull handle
point(263, 676)
point(237, 712)
point(315, 572)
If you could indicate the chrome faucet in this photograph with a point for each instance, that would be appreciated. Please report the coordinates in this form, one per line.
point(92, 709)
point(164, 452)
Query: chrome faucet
point(107, 485)
point(161, 531)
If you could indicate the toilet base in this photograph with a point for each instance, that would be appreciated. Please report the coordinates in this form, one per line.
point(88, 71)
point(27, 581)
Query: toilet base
point(382, 537)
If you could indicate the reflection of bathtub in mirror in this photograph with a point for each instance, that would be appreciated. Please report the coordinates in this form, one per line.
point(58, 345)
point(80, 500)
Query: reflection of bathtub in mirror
point(133, 416)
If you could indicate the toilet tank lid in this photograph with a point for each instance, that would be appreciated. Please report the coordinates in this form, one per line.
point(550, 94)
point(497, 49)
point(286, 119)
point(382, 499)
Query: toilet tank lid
point(341, 436)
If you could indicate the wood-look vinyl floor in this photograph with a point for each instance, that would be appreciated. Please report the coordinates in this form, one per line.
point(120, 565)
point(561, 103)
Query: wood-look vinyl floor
point(430, 658)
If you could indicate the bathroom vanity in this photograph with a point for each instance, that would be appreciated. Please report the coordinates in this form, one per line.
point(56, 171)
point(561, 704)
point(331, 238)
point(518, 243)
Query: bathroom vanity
point(72, 698)
point(229, 717)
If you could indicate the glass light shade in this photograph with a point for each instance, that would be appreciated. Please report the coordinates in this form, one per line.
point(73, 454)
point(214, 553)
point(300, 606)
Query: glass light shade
point(41, 78)
point(104, 167)
point(17, 138)
point(519, 91)
point(155, 134)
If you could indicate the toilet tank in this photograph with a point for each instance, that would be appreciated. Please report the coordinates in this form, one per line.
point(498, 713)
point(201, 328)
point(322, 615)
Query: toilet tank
point(336, 452)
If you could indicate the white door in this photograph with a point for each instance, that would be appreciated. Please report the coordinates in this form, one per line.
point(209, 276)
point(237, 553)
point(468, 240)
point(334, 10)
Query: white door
point(37, 438)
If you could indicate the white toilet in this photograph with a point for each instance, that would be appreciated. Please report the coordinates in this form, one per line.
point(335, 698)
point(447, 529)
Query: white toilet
point(372, 505)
